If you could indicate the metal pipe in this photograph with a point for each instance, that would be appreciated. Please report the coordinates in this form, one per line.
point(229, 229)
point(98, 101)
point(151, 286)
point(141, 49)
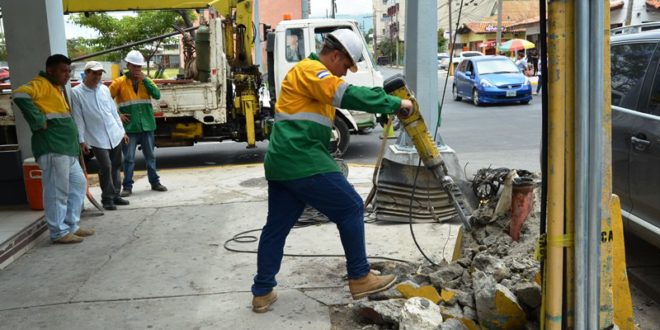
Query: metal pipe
point(581, 211)
point(144, 41)
point(553, 276)
point(595, 191)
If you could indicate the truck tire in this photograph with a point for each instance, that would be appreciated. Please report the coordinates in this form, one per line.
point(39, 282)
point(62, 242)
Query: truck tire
point(340, 137)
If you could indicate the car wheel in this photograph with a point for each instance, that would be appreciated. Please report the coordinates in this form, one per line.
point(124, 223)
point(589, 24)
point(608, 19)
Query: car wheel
point(454, 92)
point(340, 137)
point(475, 97)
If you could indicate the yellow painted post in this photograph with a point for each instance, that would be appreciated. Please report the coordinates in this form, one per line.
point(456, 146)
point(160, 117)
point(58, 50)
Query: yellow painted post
point(559, 28)
point(114, 71)
point(622, 302)
point(606, 303)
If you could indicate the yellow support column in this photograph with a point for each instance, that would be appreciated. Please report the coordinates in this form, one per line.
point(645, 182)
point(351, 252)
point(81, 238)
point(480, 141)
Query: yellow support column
point(559, 29)
point(606, 248)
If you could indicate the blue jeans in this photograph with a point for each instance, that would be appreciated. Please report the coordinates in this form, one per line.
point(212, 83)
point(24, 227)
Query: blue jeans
point(332, 195)
point(146, 140)
point(64, 187)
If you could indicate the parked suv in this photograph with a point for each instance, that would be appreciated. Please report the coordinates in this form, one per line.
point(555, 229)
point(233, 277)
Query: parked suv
point(636, 130)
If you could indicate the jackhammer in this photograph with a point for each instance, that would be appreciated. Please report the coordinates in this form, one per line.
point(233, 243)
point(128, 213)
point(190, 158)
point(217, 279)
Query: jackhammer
point(426, 147)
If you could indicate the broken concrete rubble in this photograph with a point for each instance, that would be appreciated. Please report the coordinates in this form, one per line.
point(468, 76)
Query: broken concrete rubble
point(420, 313)
point(385, 312)
point(492, 285)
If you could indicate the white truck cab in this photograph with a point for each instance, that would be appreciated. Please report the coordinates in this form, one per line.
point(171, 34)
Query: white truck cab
point(294, 40)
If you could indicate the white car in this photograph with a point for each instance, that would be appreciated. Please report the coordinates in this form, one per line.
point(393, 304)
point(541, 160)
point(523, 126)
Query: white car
point(444, 64)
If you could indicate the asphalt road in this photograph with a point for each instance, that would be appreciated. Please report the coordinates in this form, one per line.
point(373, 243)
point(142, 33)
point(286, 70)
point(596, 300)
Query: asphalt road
point(498, 136)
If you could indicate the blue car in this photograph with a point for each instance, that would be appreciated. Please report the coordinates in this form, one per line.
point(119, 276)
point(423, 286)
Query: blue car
point(491, 80)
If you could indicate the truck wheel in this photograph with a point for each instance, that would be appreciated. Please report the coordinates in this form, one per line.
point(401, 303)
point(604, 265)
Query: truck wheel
point(340, 137)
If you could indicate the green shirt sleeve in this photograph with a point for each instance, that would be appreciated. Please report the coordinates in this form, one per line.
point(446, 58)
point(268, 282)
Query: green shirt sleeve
point(151, 88)
point(372, 100)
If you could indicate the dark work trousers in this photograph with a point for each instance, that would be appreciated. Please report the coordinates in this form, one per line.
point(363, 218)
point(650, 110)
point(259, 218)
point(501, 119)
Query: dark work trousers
point(109, 166)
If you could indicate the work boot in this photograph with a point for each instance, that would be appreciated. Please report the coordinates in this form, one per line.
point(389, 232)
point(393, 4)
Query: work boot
point(110, 206)
point(68, 239)
point(260, 304)
point(126, 192)
point(158, 187)
point(121, 201)
point(371, 283)
point(84, 232)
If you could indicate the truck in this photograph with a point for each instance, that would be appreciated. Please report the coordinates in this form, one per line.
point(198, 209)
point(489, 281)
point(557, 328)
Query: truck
point(223, 101)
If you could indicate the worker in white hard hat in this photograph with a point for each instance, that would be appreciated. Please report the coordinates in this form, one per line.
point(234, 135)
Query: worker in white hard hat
point(133, 92)
point(300, 170)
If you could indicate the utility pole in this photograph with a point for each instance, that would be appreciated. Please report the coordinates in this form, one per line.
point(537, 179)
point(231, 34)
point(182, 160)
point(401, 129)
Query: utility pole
point(498, 39)
point(451, 42)
point(334, 8)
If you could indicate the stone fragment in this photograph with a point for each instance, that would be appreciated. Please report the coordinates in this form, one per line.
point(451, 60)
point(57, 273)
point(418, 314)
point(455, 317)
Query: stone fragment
point(464, 262)
point(453, 324)
point(420, 313)
point(448, 296)
point(385, 312)
point(427, 291)
point(393, 292)
point(451, 311)
point(528, 293)
point(497, 307)
point(491, 265)
point(446, 275)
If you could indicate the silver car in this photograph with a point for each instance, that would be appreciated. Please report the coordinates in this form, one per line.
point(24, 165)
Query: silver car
point(636, 131)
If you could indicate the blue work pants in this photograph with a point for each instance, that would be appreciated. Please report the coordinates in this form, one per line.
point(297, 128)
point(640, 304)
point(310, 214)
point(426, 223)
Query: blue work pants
point(147, 141)
point(329, 193)
point(64, 187)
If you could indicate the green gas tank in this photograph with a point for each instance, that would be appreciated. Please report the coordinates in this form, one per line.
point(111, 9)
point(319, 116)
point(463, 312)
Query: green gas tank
point(203, 49)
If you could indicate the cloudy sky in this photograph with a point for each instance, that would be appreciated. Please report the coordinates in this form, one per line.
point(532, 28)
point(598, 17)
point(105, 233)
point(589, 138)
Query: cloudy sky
point(344, 7)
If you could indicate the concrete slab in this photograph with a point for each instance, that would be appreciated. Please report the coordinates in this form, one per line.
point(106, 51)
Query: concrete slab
point(161, 262)
point(293, 310)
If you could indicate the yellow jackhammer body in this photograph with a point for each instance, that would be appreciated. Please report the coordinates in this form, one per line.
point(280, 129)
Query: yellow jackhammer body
point(426, 148)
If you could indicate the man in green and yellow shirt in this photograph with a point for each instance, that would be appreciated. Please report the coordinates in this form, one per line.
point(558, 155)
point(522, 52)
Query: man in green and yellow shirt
point(56, 149)
point(300, 170)
point(133, 92)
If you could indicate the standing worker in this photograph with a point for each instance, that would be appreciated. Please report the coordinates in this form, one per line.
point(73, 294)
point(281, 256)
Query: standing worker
point(300, 170)
point(100, 128)
point(56, 149)
point(133, 92)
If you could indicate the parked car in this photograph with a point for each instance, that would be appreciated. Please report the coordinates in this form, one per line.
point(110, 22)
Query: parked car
point(636, 131)
point(490, 79)
point(441, 57)
point(456, 60)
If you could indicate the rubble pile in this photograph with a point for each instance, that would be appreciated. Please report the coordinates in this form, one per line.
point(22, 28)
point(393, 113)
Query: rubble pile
point(495, 284)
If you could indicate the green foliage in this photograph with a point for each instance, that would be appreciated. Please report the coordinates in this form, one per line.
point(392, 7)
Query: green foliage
point(387, 48)
point(368, 37)
point(115, 32)
point(442, 41)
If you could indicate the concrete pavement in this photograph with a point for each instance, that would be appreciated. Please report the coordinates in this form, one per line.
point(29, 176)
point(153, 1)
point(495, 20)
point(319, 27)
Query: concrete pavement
point(160, 263)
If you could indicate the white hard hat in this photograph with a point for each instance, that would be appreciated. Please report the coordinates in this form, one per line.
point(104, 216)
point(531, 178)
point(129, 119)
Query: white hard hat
point(135, 57)
point(352, 44)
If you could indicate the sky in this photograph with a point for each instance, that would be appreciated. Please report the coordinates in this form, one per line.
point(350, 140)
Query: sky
point(319, 8)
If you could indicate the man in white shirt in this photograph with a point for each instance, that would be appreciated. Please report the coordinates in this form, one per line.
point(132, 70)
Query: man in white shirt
point(100, 128)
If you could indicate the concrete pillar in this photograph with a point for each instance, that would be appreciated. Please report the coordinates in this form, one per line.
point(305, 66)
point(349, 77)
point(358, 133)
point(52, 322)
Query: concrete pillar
point(34, 30)
point(421, 62)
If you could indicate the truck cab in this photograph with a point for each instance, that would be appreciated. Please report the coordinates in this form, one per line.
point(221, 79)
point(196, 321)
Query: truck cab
point(294, 40)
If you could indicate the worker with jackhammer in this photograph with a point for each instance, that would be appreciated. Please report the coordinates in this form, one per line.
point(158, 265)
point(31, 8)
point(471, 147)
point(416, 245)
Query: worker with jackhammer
point(300, 170)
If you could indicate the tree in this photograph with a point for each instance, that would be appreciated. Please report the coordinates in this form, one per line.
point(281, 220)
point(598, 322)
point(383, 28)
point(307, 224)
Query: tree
point(115, 32)
point(369, 36)
point(442, 41)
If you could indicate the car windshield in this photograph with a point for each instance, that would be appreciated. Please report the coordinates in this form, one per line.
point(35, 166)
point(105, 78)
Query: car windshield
point(496, 66)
